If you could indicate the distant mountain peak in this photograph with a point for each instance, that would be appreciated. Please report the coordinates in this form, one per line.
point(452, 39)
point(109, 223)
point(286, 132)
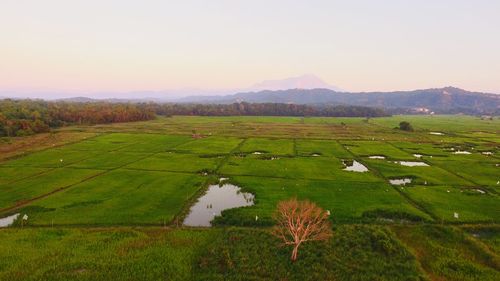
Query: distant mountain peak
point(306, 81)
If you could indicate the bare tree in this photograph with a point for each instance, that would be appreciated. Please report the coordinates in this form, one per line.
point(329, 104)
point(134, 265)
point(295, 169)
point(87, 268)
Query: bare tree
point(299, 222)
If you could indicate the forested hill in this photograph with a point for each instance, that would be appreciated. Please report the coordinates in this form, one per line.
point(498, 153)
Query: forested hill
point(26, 117)
point(442, 100)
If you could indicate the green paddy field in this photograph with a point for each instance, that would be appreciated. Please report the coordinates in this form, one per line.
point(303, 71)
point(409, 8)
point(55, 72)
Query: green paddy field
point(108, 203)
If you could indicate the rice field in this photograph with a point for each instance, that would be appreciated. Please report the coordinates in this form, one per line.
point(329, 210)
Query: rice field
point(132, 184)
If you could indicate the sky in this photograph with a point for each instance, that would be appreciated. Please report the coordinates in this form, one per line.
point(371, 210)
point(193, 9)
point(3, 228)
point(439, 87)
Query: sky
point(87, 46)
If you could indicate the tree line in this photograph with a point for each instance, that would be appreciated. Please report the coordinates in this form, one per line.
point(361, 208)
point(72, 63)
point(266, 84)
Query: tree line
point(26, 117)
point(267, 109)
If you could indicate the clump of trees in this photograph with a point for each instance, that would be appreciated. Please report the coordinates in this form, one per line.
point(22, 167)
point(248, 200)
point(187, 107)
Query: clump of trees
point(405, 126)
point(26, 117)
point(299, 222)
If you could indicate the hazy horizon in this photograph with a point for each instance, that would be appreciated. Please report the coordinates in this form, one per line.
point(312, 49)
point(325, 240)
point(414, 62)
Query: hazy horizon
point(60, 48)
point(166, 94)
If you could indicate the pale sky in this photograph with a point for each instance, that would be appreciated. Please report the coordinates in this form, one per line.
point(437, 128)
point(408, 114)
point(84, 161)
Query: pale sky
point(124, 45)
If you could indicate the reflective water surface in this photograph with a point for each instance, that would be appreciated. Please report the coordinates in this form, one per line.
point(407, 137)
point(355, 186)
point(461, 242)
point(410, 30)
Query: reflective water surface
point(376, 157)
point(412, 163)
point(4, 222)
point(403, 181)
point(216, 199)
point(355, 167)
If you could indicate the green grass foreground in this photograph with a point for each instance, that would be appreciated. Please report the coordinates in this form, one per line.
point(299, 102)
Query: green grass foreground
point(356, 252)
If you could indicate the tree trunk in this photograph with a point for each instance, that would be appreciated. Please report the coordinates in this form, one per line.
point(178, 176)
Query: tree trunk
point(295, 252)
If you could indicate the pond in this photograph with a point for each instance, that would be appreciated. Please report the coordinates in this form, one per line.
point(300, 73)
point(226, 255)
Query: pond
point(355, 167)
point(412, 164)
point(402, 181)
point(461, 152)
point(216, 199)
point(436, 133)
point(4, 222)
point(376, 157)
point(416, 155)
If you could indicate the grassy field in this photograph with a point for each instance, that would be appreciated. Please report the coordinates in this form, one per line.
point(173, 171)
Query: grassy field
point(356, 252)
point(112, 189)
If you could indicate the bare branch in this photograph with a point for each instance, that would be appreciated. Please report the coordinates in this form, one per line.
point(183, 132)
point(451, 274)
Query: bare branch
point(300, 221)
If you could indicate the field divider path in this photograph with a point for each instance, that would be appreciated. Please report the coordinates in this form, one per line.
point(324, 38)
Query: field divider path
point(225, 159)
point(447, 170)
point(31, 200)
point(51, 147)
point(50, 169)
point(436, 218)
point(403, 195)
point(160, 171)
point(294, 178)
point(439, 166)
point(465, 135)
point(28, 177)
point(295, 150)
point(462, 177)
point(119, 149)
